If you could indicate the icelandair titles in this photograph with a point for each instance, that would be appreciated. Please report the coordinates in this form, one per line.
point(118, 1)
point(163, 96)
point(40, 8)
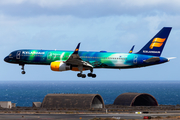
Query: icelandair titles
point(27, 52)
point(145, 51)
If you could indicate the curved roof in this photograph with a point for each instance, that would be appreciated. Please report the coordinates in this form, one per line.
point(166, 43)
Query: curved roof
point(136, 99)
point(73, 101)
point(36, 104)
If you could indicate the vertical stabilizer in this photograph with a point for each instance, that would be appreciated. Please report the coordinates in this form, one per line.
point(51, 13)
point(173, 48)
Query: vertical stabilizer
point(155, 46)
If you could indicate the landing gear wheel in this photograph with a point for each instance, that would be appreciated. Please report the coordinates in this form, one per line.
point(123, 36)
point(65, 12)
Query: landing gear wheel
point(79, 74)
point(23, 72)
point(83, 75)
point(89, 74)
point(93, 75)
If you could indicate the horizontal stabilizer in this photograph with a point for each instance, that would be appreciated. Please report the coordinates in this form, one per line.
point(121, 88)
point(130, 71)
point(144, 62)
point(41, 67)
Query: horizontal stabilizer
point(171, 58)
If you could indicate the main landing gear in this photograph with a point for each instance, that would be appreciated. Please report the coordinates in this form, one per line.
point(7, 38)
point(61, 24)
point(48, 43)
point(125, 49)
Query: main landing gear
point(81, 75)
point(23, 72)
point(89, 74)
point(84, 75)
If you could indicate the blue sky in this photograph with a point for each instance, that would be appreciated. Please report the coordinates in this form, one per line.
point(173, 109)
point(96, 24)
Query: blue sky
point(111, 25)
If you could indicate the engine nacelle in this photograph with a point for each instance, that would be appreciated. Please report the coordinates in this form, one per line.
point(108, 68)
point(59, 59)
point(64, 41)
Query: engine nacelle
point(59, 66)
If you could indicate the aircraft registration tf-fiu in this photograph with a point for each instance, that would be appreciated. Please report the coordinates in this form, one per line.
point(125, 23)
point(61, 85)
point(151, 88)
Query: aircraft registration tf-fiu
point(82, 60)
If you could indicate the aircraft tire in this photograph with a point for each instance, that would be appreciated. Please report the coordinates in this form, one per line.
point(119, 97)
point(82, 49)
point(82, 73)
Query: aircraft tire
point(23, 72)
point(89, 74)
point(93, 75)
point(79, 75)
point(83, 75)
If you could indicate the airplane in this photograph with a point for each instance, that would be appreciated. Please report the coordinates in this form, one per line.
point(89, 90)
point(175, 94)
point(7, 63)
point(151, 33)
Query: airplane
point(60, 60)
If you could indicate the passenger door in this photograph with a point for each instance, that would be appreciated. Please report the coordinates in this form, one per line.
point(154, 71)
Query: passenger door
point(49, 55)
point(18, 55)
point(135, 59)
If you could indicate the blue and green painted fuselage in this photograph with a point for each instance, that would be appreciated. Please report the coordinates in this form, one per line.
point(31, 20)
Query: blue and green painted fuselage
point(61, 60)
point(100, 59)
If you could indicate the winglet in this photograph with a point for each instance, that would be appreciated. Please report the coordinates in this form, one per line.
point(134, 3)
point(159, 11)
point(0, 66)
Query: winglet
point(77, 49)
point(131, 49)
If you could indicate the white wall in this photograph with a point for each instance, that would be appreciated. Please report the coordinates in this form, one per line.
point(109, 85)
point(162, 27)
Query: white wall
point(5, 104)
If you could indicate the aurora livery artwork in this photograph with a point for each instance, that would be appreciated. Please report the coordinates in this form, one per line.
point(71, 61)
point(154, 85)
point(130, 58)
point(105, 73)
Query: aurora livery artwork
point(82, 60)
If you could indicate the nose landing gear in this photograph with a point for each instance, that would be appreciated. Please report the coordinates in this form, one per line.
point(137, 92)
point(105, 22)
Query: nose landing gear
point(23, 72)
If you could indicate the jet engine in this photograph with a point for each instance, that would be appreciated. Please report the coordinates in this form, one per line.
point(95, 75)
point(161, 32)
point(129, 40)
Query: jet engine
point(60, 66)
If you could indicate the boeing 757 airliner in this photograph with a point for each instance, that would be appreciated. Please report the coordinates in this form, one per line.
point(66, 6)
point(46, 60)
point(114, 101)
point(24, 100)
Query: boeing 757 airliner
point(60, 60)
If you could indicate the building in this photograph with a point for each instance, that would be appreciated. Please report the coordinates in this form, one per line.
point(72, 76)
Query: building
point(36, 104)
point(13, 104)
point(5, 104)
point(84, 101)
point(135, 99)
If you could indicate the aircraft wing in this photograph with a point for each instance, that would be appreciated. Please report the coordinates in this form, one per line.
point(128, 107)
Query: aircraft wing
point(75, 59)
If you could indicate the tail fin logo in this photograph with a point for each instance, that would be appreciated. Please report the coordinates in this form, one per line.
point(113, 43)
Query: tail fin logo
point(157, 42)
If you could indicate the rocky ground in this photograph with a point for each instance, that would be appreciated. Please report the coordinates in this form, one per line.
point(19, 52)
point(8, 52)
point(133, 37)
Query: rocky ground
point(108, 108)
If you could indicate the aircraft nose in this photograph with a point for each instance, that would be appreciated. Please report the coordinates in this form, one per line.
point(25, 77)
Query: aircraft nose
point(6, 59)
